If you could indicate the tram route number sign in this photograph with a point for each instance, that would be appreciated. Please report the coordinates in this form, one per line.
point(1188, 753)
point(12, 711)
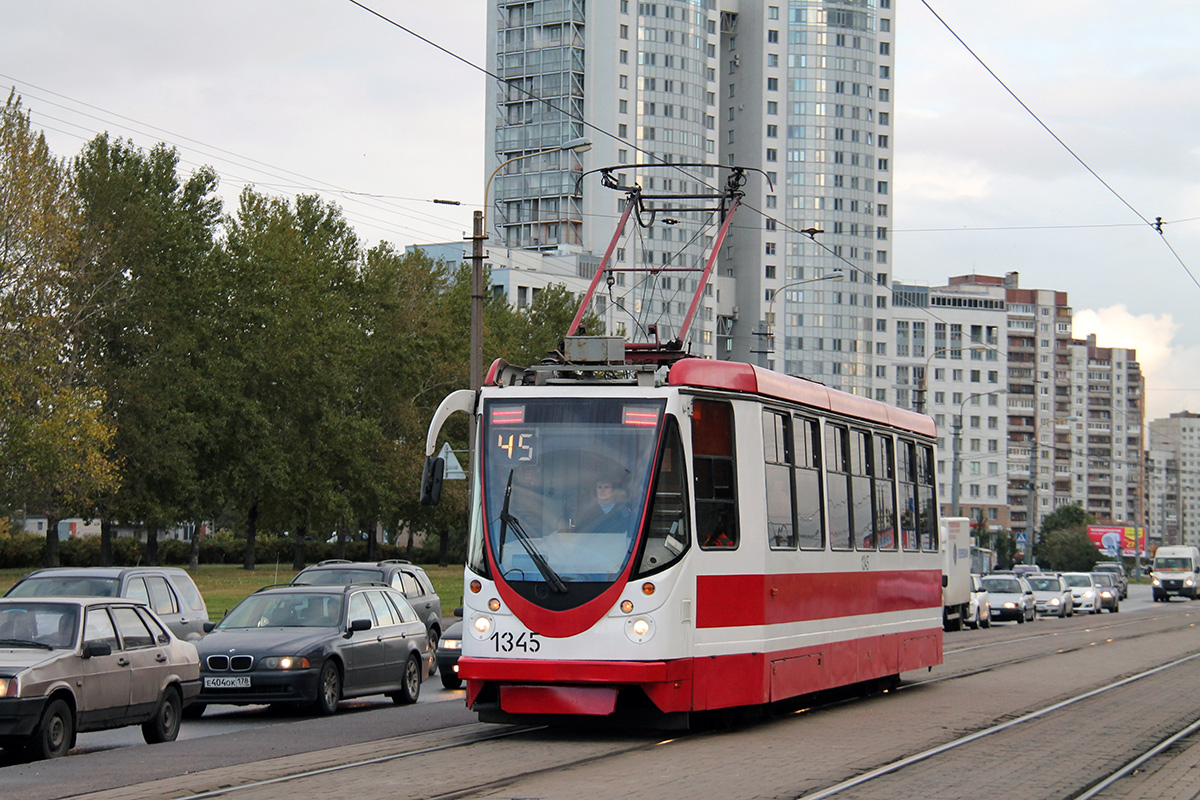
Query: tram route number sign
point(516, 447)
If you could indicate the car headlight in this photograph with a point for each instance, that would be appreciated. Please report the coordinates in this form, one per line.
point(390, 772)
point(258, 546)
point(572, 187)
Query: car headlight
point(8, 687)
point(1088, 594)
point(1010, 604)
point(285, 662)
point(1155, 582)
point(450, 644)
point(1190, 582)
point(1055, 601)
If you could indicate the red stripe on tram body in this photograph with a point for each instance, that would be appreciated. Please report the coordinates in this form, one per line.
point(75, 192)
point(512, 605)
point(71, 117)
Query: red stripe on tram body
point(732, 601)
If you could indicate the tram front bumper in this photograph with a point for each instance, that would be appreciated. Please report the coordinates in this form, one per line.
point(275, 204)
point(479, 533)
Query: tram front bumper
point(576, 687)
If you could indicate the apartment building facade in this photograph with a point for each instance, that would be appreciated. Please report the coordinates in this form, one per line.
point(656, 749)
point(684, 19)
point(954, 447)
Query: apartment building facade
point(1173, 480)
point(798, 93)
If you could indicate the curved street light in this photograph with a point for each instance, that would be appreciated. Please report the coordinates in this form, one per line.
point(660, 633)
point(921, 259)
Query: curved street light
point(1032, 497)
point(479, 235)
point(956, 449)
point(768, 332)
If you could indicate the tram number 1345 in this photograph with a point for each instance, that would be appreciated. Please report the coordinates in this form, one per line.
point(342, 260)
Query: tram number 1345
point(508, 642)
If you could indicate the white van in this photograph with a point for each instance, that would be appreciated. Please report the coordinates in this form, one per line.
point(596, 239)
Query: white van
point(1175, 572)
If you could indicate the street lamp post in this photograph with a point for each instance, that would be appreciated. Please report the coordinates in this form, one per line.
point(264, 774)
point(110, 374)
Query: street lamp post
point(956, 450)
point(479, 235)
point(1032, 497)
point(923, 386)
point(768, 333)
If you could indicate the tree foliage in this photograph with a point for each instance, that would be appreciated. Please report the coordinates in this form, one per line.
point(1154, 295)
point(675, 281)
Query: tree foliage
point(1062, 539)
point(1067, 550)
point(54, 437)
point(167, 361)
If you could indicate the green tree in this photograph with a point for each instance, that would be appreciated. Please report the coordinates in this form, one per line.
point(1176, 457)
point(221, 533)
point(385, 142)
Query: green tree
point(298, 446)
point(145, 267)
point(54, 437)
point(1067, 550)
point(1063, 543)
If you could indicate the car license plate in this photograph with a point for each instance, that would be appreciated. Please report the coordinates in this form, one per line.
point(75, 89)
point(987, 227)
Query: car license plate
point(234, 682)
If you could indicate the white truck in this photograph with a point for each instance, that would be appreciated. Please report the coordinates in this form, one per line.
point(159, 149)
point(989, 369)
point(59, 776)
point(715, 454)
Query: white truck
point(956, 572)
point(1176, 571)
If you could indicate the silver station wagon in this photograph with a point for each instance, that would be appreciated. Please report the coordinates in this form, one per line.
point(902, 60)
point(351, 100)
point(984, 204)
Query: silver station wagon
point(72, 664)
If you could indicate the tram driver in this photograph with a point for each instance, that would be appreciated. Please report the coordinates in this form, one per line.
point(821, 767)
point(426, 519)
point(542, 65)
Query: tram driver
point(606, 513)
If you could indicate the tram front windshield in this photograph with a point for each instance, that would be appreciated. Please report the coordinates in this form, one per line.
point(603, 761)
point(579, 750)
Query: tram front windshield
point(564, 487)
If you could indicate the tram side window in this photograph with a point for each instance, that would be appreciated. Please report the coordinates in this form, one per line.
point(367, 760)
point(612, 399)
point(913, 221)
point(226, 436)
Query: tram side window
point(777, 451)
point(713, 468)
point(861, 455)
point(837, 476)
point(885, 493)
point(908, 493)
point(810, 525)
point(926, 500)
point(668, 534)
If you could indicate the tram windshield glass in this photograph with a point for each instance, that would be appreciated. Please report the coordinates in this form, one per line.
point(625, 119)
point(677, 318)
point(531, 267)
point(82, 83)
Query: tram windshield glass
point(565, 482)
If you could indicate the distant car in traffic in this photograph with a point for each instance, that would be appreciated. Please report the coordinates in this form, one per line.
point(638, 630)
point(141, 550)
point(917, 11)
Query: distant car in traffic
point(168, 591)
point(73, 664)
point(1084, 592)
point(1011, 597)
point(314, 646)
point(1052, 597)
point(449, 649)
point(1118, 571)
point(403, 576)
point(979, 608)
point(1110, 594)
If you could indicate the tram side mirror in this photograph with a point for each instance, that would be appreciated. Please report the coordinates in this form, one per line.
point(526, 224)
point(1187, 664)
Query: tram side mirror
point(431, 480)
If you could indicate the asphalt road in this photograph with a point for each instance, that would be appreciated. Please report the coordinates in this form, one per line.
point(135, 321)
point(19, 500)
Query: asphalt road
point(1000, 671)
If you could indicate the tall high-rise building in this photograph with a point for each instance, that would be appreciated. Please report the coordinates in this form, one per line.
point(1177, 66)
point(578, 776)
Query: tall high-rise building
point(1108, 396)
point(945, 353)
point(1173, 489)
point(798, 93)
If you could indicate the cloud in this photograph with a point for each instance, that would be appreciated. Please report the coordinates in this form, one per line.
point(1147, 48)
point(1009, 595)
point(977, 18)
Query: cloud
point(1167, 366)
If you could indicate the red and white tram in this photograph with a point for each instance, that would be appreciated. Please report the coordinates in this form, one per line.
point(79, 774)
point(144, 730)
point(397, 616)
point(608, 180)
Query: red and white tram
point(670, 538)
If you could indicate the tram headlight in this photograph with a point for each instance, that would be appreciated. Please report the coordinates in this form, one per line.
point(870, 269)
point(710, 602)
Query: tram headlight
point(639, 629)
point(493, 604)
point(627, 606)
point(482, 626)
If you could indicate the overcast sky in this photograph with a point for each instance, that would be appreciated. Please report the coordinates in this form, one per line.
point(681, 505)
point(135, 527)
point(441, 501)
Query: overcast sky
point(302, 95)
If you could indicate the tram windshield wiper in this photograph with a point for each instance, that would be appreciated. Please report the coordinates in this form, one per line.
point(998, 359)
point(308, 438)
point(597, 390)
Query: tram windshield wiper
point(508, 520)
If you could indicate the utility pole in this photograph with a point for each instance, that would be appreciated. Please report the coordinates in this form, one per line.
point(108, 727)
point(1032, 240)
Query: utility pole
point(477, 239)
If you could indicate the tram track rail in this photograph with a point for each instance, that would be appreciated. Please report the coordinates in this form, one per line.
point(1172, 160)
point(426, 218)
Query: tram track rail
point(933, 752)
point(521, 762)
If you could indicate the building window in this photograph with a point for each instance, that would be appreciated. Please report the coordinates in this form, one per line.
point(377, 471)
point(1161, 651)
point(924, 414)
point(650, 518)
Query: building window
point(772, 85)
point(773, 37)
point(624, 57)
point(769, 271)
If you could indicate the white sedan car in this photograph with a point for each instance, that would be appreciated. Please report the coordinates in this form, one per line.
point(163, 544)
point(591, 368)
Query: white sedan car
point(979, 609)
point(1084, 592)
point(1051, 594)
point(1011, 597)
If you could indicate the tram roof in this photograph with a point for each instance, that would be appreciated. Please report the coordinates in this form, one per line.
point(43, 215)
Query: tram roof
point(739, 377)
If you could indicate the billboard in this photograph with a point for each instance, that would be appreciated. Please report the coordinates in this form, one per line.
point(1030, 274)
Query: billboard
point(1112, 539)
